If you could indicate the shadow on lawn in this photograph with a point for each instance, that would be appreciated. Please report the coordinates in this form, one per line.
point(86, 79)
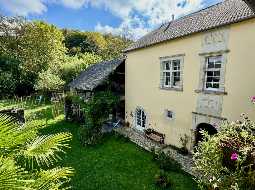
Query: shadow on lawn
point(115, 164)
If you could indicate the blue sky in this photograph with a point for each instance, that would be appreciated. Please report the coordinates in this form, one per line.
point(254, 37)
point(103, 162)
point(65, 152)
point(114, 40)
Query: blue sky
point(132, 17)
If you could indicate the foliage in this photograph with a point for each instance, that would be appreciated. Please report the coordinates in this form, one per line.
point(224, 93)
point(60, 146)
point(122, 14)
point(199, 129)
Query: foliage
point(12, 28)
point(227, 160)
point(163, 181)
point(90, 135)
point(165, 162)
point(81, 42)
point(184, 141)
point(48, 81)
point(9, 75)
point(72, 66)
point(114, 164)
point(36, 46)
point(41, 46)
point(37, 49)
point(97, 111)
point(25, 155)
point(115, 47)
point(107, 46)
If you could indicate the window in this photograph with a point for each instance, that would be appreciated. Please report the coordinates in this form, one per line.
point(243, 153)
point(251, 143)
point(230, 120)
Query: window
point(171, 73)
point(169, 114)
point(213, 72)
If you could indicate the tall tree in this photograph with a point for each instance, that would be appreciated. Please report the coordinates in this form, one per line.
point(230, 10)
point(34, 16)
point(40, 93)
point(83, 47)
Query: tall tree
point(79, 42)
point(36, 45)
point(115, 46)
point(41, 46)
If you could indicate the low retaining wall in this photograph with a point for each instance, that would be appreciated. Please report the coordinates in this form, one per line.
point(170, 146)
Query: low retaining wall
point(15, 113)
point(141, 140)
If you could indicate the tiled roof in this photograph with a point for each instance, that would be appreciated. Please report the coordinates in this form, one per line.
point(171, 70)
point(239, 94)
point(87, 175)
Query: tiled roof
point(95, 75)
point(224, 13)
point(251, 3)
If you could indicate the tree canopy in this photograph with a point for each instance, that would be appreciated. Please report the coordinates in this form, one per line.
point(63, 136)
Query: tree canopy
point(39, 56)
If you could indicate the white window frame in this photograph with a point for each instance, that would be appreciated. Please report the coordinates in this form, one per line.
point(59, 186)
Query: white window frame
point(164, 71)
point(207, 69)
point(143, 121)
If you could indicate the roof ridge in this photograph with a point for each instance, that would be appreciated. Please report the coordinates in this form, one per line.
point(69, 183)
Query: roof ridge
point(220, 14)
point(209, 7)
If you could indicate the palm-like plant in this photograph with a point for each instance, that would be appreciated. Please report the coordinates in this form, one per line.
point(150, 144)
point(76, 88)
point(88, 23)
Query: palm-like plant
point(24, 157)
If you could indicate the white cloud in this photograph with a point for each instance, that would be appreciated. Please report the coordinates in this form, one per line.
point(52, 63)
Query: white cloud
point(26, 7)
point(141, 16)
point(138, 16)
point(75, 4)
point(19, 7)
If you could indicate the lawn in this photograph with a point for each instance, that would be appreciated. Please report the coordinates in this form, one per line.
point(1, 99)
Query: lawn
point(114, 164)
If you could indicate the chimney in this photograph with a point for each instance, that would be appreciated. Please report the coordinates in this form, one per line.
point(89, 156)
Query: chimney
point(172, 17)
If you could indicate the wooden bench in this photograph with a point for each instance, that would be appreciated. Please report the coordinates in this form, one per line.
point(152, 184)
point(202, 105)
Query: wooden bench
point(155, 136)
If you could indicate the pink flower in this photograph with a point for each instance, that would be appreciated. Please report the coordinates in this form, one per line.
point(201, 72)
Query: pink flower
point(253, 99)
point(234, 156)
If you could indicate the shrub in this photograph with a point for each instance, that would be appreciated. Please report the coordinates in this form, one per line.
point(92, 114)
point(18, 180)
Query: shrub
point(90, 135)
point(162, 180)
point(166, 163)
point(97, 111)
point(227, 160)
point(184, 141)
point(73, 66)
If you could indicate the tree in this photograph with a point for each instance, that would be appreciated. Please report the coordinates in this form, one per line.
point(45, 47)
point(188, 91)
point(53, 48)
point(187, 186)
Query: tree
point(80, 42)
point(41, 46)
point(115, 47)
point(9, 75)
point(36, 45)
point(48, 82)
point(72, 66)
point(26, 159)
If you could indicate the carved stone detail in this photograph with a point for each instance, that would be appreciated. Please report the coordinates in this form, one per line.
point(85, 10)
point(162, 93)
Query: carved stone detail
point(216, 40)
point(209, 104)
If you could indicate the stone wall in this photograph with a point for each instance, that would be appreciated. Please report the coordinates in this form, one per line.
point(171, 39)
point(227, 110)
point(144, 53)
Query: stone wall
point(141, 140)
point(15, 113)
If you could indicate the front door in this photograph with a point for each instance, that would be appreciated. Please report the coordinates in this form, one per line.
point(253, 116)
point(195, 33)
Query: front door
point(140, 119)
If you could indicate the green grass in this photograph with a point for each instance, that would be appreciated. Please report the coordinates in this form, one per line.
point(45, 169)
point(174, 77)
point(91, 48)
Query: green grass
point(114, 164)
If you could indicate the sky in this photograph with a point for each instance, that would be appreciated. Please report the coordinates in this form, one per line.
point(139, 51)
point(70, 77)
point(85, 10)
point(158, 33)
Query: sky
point(133, 18)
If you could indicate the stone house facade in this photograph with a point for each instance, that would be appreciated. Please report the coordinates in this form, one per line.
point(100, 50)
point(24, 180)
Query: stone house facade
point(193, 73)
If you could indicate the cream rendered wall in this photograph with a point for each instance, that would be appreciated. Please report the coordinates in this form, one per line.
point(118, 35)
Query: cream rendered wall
point(143, 81)
point(240, 72)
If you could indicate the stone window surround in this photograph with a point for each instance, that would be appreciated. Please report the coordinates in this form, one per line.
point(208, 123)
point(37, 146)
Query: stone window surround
point(173, 57)
point(203, 57)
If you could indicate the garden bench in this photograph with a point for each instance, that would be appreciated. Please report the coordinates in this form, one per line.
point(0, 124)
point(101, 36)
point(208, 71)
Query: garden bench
point(155, 136)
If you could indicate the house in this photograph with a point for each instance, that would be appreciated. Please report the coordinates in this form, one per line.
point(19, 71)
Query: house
point(193, 73)
point(107, 75)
